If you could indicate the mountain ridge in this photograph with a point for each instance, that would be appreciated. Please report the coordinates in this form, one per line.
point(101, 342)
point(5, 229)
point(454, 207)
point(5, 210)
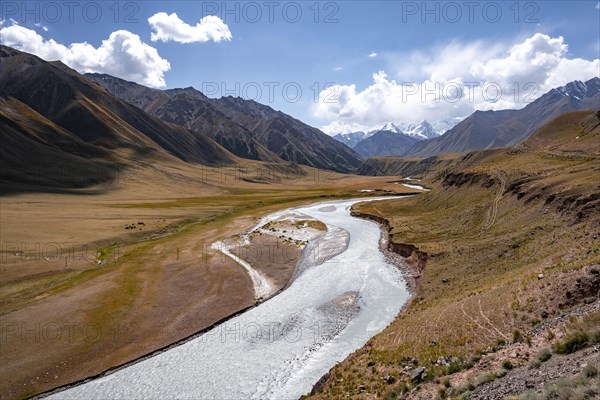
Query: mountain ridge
point(75, 113)
point(244, 127)
point(487, 129)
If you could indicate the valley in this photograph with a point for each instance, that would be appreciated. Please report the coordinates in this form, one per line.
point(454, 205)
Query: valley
point(81, 293)
point(365, 237)
point(282, 346)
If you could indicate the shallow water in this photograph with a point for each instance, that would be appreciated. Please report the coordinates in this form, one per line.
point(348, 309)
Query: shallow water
point(410, 185)
point(345, 294)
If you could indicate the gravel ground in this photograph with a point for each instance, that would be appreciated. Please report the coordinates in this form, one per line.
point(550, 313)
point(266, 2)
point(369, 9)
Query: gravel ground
point(523, 379)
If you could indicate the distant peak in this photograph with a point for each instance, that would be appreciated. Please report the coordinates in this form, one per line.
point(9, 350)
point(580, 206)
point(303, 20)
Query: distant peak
point(390, 126)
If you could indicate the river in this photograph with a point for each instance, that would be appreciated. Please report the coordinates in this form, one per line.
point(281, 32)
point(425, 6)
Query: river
point(346, 293)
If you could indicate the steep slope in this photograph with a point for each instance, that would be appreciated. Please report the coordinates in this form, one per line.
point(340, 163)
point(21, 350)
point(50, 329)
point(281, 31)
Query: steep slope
point(487, 129)
point(89, 112)
point(245, 127)
point(385, 143)
point(35, 153)
point(575, 96)
point(288, 137)
point(191, 109)
point(481, 130)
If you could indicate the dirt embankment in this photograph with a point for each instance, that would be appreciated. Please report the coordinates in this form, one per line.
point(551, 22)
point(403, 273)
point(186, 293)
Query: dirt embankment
point(532, 188)
point(412, 260)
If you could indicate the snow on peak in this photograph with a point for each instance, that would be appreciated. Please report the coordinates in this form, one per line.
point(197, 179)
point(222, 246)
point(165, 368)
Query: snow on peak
point(391, 127)
point(419, 130)
point(580, 90)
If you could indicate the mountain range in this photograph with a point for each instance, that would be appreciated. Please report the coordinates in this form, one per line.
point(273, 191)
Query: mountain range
point(394, 139)
point(488, 129)
point(52, 115)
point(481, 130)
point(244, 127)
point(63, 130)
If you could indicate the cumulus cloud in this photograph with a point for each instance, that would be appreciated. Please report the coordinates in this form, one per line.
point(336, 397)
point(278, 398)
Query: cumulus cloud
point(123, 54)
point(530, 61)
point(170, 27)
point(454, 81)
point(372, 55)
point(338, 68)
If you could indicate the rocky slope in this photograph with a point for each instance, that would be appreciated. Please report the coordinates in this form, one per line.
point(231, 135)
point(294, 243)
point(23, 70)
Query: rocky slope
point(244, 127)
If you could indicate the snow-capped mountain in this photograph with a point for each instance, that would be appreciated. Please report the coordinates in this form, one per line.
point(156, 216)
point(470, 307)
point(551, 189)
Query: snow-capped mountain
point(489, 129)
point(421, 130)
point(389, 127)
point(444, 125)
point(351, 139)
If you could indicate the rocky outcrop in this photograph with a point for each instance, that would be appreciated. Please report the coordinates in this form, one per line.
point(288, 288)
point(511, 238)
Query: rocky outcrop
point(468, 178)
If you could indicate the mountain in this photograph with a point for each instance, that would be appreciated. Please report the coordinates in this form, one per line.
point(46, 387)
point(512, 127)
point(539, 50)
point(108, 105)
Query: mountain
point(52, 115)
point(488, 129)
point(190, 108)
point(389, 127)
point(563, 138)
point(423, 129)
point(444, 125)
point(351, 139)
point(420, 131)
point(385, 143)
point(389, 140)
point(244, 127)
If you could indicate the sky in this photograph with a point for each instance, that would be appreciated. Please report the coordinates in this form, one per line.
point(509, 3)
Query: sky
point(338, 65)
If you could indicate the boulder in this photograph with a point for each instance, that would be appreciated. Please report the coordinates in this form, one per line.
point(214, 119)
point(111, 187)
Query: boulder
point(417, 375)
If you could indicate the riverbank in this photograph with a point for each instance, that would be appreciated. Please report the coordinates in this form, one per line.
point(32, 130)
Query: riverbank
point(331, 309)
point(93, 281)
point(406, 257)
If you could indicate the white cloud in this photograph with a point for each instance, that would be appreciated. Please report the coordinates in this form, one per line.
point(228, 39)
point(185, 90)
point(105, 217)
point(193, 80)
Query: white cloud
point(598, 5)
point(454, 81)
point(45, 28)
point(123, 54)
point(569, 70)
point(170, 27)
point(372, 55)
point(338, 69)
point(345, 127)
point(530, 61)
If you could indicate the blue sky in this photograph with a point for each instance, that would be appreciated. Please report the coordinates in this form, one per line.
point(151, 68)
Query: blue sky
point(345, 43)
